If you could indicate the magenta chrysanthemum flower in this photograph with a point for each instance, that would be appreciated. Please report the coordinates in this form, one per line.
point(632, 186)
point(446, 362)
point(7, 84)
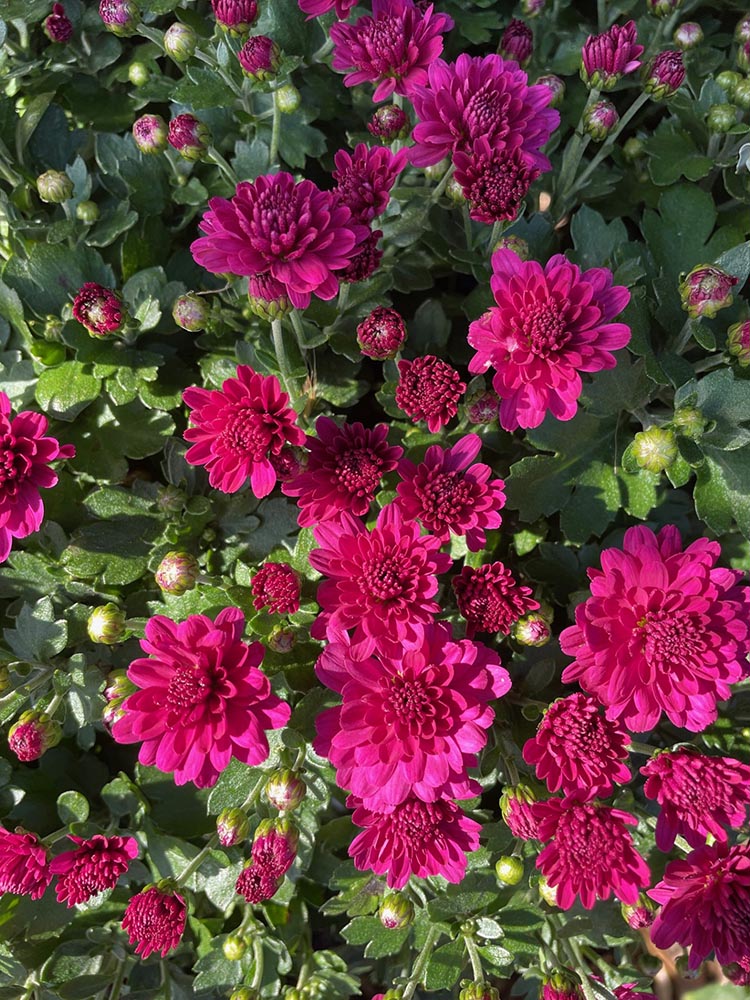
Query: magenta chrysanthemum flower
point(449, 495)
point(295, 231)
point(155, 919)
point(490, 599)
point(365, 177)
point(699, 795)
point(381, 583)
point(607, 57)
point(314, 8)
point(25, 456)
point(494, 180)
point(97, 308)
point(630, 991)
point(57, 26)
point(410, 723)
point(202, 698)
point(576, 749)
point(235, 15)
point(259, 57)
point(416, 838)
point(24, 864)
point(517, 42)
point(429, 389)
point(256, 884)
point(549, 325)
point(706, 904)
point(591, 853)
point(517, 806)
point(276, 586)
point(344, 471)
point(663, 631)
point(94, 865)
point(365, 262)
point(273, 853)
point(393, 48)
point(382, 334)
point(239, 429)
point(481, 96)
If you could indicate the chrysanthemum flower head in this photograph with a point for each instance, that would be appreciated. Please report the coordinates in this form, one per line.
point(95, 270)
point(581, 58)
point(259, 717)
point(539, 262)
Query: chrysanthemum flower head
point(364, 179)
point(429, 389)
point(314, 8)
point(24, 864)
point(277, 587)
point(93, 866)
point(607, 57)
point(494, 180)
point(155, 920)
point(490, 599)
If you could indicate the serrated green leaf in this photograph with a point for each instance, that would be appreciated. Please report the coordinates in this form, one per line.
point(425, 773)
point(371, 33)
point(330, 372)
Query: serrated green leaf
point(65, 391)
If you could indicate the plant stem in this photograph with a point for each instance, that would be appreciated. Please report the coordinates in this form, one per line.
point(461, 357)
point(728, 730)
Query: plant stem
point(273, 152)
point(634, 108)
point(197, 861)
point(421, 963)
point(343, 297)
point(214, 156)
point(496, 233)
point(323, 51)
point(443, 183)
point(684, 336)
point(114, 993)
point(574, 151)
point(642, 748)
point(475, 959)
point(468, 235)
point(257, 963)
point(281, 357)
point(601, 15)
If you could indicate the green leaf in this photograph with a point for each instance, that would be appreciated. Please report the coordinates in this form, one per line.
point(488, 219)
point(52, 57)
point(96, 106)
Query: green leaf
point(202, 88)
point(724, 398)
point(67, 390)
point(737, 262)
point(722, 490)
point(519, 925)
point(37, 636)
point(379, 941)
point(595, 240)
point(72, 807)
point(673, 154)
point(50, 276)
point(445, 966)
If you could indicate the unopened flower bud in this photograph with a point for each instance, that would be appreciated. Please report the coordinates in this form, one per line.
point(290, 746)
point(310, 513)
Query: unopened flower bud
point(517, 244)
point(170, 499)
point(275, 845)
point(177, 573)
point(138, 73)
point(689, 421)
point(234, 947)
point(382, 334)
point(454, 192)
point(232, 827)
point(705, 290)
point(99, 309)
point(517, 42)
point(742, 95)
point(532, 8)
point(245, 993)
point(738, 342)
point(289, 462)
point(655, 449)
point(531, 630)
point(180, 41)
point(742, 29)
point(119, 16)
point(396, 912)
point(54, 187)
point(285, 790)
point(190, 312)
point(639, 915)
point(118, 686)
point(282, 639)
point(33, 735)
point(721, 117)
point(87, 211)
point(268, 298)
point(633, 149)
point(260, 57)
point(287, 99)
point(509, 870)
point(482, 406)
point(556, 86)
point(688, 35)
point(389, 122)
point(189, 136)
point(235, 16)
point(728, 80)
point(547, 892)
point(599, 119)
point(743, 57)
point(515, 806)
point(562, 984)
point(662, 8)
point(478, 991)
point(57, 26)
point(665, 75)
point(150, 134)
point(106, 624)
point(437, 170)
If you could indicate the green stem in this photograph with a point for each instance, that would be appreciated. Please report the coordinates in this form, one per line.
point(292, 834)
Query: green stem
point(684, 336)
point(197, 861)
point(443, 183)
point(114, 993)
point(343, 297)
point(323, 51)
point(474, 958)
point(468, 235)
point(281, 357)
point(634, 108)
point(257, 963)
point(398, 100)
point(273, 152)
point(574, 151)
point(214, 156)
point(496, 233)
point(157, 37)
point(237, 91)
point(299, 331)
point(601, 15)
point(421, 963)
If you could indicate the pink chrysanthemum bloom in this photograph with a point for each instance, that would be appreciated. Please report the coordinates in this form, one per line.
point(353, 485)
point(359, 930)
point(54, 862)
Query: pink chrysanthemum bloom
point(663, 631)
point(155, 919)
point(410, 723)
point(314, 8)
point(235, 15)
point(393, 48)
point(490, 599)
point(97, 308)
point(699, 795)
point(416, 838)
point(276, 587)
point(238, 430)
point(577, 749)
point(57, 26)
point(449, 495)
point(517, 806)
point(630, 991)
point(549, 325)
point(295, 231)
point(275, 846)
point(25, 456)
point(365, 177)
point(494, 180)
point(24, 864)
point(202, 698)
point(259, 57)
point(429, 389)
point(94, 865)
point(381, 583)
point(607, 57)
point(706, 904)
point(365, 262)
point(591, 853)
point(345, 468)
point(382, 334)
point(481, 96)
point(256, 884)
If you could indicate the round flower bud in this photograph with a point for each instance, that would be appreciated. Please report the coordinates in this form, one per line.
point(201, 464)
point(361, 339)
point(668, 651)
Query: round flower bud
point(150, 134)
point(742, 29)
point(177, 573)
point(54, 187)
point(33, 735)
point(599, 119)
point(454, 192)
point(517, 42)
point(234, 947)
point(287, 99)
point(556, 86)
point(742, 95)
point(478, 991)
point(189, 136)
point(235, 16)
point(267, 297)
point(437, 170)
point(662, 8)
point(57, 26)
point(170, 499)
point(517, 244)
point(106, 624)
point(705, 290)
point(119, 16)
point(285, 790)
point(665, 75)
point(633, 149)
point(639, 915)
point(99, 309)
point(532, 8)
point(260, 57)
point(282, 639)
point(87, 211)
point(396, 912)
point(547, 892)
point(515, 807)
point(689, 421)
point(743, 57)
point(562, 984)
point(180, 42)
point(482, 406)
point(232, 827)
point(728, 80)
point(382, 334)
point(275, 840)
point(655, 449)
point(138, 73)
point(190, 312)
point(738, 342)
point(389, 122)
point(509, 870)
point(721, 117)
point(247, 993)
point(117, 685)
point(532, 629)
point(289, 462)
point(688, 35)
